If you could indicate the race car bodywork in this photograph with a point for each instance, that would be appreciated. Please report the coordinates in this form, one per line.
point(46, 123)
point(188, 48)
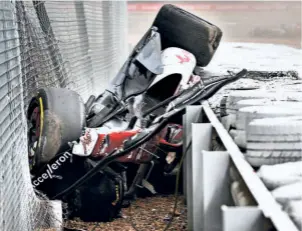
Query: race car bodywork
point(99, 145)
point(99, 142)
point(133, 129)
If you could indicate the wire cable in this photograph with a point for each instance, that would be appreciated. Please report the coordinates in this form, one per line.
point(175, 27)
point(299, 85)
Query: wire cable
point(176, 185)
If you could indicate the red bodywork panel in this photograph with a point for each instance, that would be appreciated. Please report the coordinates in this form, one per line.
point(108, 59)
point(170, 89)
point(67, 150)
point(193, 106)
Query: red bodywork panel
point(106, 143)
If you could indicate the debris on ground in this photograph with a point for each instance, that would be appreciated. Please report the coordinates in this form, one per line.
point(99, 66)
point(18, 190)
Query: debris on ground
point(145, 214)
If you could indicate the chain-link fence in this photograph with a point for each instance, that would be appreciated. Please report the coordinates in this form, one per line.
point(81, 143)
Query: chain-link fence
point(73, 44)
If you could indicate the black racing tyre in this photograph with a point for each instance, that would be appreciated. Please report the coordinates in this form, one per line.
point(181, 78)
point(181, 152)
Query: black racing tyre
point(179, 28)
point(55, 117)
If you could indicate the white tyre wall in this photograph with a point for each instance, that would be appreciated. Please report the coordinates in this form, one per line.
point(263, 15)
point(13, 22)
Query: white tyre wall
point(286, 193)
point(291, 125)
point(267, 102)
point(286, 146)
point(280, 129)
point(274, 140)
point(236, 96)
point(230, 105)
point(258, 102)
point(258, 158)
point(247, 114)
point(274, 176)
point(286, 95)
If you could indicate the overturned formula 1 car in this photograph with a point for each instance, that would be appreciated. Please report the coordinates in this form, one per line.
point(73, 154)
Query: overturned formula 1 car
point(100, 154)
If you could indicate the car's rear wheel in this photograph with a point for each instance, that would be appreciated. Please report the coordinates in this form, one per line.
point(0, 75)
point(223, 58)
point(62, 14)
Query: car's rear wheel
point(55, 116)
point(179, 28)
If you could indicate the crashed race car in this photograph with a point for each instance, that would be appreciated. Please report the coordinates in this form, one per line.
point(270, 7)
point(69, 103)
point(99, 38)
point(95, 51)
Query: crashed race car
point(97, 156)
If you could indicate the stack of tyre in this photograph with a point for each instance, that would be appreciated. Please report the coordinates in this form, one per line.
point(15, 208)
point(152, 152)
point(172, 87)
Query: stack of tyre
point(285, 183)
point(267, 127)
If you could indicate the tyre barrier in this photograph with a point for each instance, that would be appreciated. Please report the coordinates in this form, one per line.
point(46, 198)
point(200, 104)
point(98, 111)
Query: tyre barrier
point(274, 141)
point(267, 125)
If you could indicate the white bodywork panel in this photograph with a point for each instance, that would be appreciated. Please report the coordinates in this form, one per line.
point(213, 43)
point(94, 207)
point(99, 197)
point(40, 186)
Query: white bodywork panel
point(177, 61)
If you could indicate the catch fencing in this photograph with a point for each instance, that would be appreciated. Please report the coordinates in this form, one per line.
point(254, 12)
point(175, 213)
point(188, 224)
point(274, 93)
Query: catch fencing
point(79, 45)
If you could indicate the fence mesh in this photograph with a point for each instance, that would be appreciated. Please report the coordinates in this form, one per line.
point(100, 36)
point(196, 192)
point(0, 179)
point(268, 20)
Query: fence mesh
point(73, 44)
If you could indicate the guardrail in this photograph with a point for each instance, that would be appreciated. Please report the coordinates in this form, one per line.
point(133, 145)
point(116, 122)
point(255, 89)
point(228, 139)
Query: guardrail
point(207, 181)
